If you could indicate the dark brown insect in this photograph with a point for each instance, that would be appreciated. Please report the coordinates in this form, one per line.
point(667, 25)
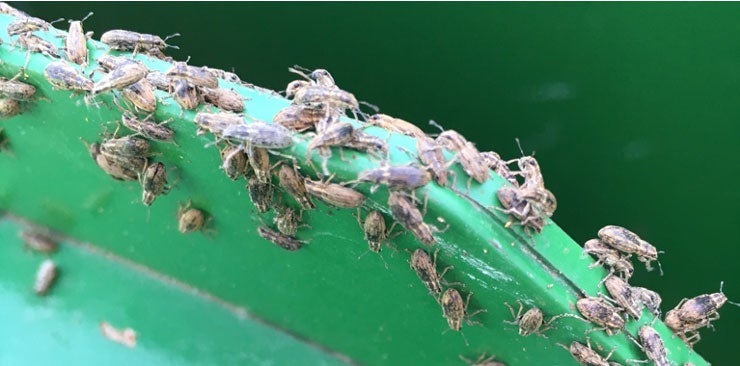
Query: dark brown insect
point(38, 241)
point(154, 183)
point(601, 313)
point(409, 216)
point(286, 242)
point(260, 193)
point(45, 277)
point(76, 41)
point(295, 185)
point(426, 269)
point(335, 194)
point(628, 242)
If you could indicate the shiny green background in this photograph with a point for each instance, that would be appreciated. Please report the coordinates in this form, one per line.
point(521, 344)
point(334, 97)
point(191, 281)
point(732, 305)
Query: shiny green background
point(632, 108)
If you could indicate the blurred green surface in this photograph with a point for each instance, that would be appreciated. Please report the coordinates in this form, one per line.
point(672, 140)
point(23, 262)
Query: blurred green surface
point(632, 108)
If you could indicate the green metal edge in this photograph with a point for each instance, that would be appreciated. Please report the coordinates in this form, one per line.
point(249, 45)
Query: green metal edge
point(323, 292)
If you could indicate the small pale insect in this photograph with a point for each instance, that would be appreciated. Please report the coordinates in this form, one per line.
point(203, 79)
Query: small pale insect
point(409, 216)
point(653, 346)
point(123, 40)
point(532, 322)
point(126, 146)
point(628, 242)
point(375, 230)
point(609, 257)
point(226, 99)
point(126, 337)
point(335, 194)
point(465, 152)
point(426, 269)
point(26, 24)
point(260, 134)
point(9, 108)
point(601, 313)
point(235, 163)
point(63, 76)
point(623, 295)
point(482, 360)
point(16, 90)
point(190, 219)
point(75, 44)
point(260, 193)
point(288, 220)
point(122, 76)
point(198, 76)
point(300, 118)
point(45, 277)
point(586, 356)
point(397, 177)
point(295, 185)
point(395, 125)
point(154, 183)
point(185, 95)
point(286, 242)
point(141, 95)
point(38, 241)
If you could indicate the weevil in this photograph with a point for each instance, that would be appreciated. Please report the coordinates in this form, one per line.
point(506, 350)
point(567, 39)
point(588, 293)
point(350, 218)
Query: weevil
point(286, 242)
point(158, 79)
point(374, 229)
point(16, 90)
point(367, 143)
point(141, 95)
point(126, 146)
point(295, 185)
point(601, 313)
point(259, 160)
point(75, 44)
point(431, 155)
point(334, 98)
point(409, 216)
point(482, 360)
point(455, 310)
point(123, 40)
point(123, 75)
point(45, 277)
point(320, 77)
point(118, 167)
point(532, 322)
point(260, 134)
point(396, 177)
point(154, 183)
point(235, 163)
point(63, 76)
point(300, 118)
point(7, 9)
point(38, 241)
point(225, 75)
point(624, 296)
point(586, 356)
point(494, 162)
point(611, 258)
point(294, 86)
point(226, 99)
point(653, 345)
point(465, 152)
point(650, 299)
point(216, 123)
point(628, 242)
point(145, 127)
point(34, 44)
point(288, 221)
point(9, 108)
point(260, 193)
point(702, 307)
point(190, 219)
point(26, 24)
point(187, 96)
point(336, 134)
point(126, 337)
point(335, 194)
point(516, 205)
point(393, 124)
point(198, 76)
point(426, 269)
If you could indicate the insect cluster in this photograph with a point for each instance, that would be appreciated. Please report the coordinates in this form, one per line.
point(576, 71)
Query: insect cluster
point(317, 116)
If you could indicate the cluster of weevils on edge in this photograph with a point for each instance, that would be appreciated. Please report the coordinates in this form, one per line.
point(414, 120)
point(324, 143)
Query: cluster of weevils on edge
point(314, 116)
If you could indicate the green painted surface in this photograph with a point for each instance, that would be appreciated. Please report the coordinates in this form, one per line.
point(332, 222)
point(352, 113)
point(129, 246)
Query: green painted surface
point(625, 94)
